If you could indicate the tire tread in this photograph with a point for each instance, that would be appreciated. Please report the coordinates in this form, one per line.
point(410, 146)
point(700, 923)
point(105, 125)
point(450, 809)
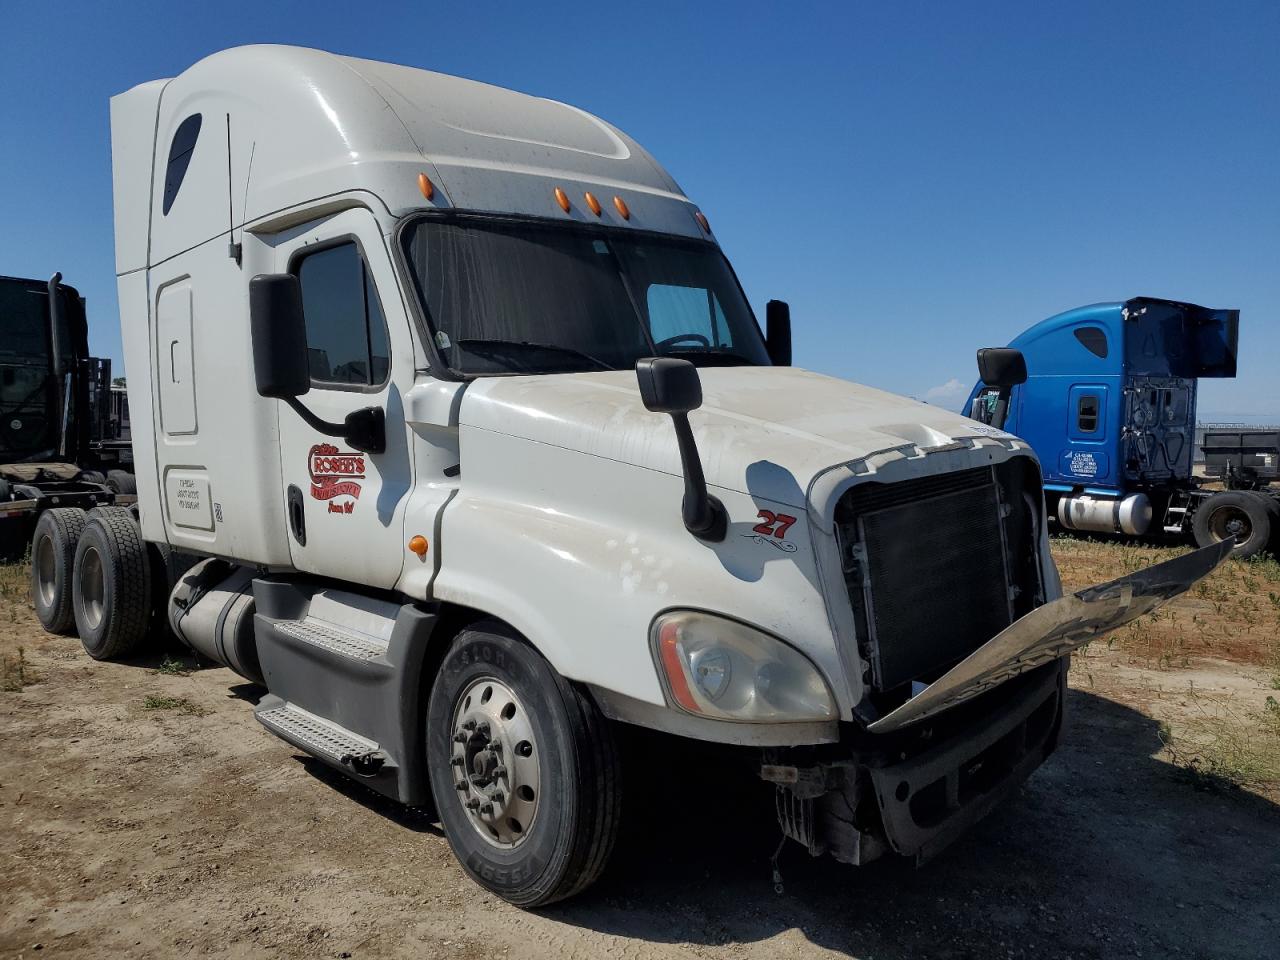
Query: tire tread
point(67, 525)
point(127, 603)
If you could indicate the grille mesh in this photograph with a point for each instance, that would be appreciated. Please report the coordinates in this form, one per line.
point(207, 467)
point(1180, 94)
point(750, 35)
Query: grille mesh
point(936, 562)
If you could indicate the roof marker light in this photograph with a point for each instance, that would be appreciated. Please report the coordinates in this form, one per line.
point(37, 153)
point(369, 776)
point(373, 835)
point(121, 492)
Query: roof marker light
point(592, 203)
point(418, 545)
point(702, 221)
point(562, 198)
point(426, 186)
point(622, 208)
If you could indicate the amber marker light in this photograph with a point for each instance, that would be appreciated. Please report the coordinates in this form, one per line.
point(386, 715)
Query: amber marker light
point(562, 198)
point(592, 203)
point(668, 650)
point(426, 186)
point(622, 208)
point(702, 221)
point(418, 545)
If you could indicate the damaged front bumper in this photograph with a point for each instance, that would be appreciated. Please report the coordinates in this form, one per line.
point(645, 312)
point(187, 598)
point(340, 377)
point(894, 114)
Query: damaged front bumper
point(915, 779)
point(915, 794)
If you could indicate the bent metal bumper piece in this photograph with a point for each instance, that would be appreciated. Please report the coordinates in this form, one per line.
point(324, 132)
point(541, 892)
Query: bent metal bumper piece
point(1054, 630)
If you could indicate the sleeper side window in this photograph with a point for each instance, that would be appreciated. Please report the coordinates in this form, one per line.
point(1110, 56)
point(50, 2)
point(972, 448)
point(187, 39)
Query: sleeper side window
point(346, 330)
point(1087, 414)
point(1093, 339)
point(180, 150)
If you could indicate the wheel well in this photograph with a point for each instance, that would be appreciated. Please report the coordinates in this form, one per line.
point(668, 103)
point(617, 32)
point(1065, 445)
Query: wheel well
point(451, 620)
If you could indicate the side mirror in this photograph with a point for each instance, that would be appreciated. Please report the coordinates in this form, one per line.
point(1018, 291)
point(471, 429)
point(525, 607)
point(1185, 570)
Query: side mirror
point(777, 321)
point(281, 367)
point(672, 386)
point(280, 364)
point(1001, 367)
point(1004, 368)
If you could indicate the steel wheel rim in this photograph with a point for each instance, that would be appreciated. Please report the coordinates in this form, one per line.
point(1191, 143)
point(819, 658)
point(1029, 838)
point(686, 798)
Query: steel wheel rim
point(1230, 523)
point(495, 763)
point(93, 588)
point(46, 573)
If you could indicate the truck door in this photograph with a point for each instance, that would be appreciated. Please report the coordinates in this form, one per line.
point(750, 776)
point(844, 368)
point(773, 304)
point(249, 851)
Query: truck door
point(1086, 459)
point(345, 507)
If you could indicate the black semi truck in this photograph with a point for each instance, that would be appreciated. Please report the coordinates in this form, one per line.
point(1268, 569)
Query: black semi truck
point(64, 439)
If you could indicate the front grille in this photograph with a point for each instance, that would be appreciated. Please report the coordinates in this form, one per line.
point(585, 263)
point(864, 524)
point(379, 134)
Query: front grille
point(928, 568)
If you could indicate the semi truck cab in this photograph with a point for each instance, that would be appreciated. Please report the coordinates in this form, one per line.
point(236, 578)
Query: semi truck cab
point(482, 452)
point(1109, 405)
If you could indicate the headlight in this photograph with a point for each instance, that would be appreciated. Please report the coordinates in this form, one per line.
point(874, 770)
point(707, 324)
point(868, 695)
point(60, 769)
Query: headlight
point(719, 668)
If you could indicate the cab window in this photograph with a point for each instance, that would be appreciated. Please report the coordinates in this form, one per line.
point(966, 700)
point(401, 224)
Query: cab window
point(1087, 414)
point(686, 315)
point(346, 330)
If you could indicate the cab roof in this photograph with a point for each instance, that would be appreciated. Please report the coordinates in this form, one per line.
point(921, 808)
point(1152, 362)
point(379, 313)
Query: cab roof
point(287, 125)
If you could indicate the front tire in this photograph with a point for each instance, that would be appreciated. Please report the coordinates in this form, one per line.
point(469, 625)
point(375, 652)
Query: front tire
point(112, 595)
point(534, 818)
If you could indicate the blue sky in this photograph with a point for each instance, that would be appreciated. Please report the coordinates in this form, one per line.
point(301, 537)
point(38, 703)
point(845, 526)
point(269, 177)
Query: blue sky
point(917, 180)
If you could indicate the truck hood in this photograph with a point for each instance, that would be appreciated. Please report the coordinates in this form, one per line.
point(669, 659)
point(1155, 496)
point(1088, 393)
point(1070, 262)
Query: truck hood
point(763, 431)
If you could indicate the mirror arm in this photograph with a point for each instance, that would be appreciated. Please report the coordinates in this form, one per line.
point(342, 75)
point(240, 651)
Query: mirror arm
point(704, 516)
point(363, 429)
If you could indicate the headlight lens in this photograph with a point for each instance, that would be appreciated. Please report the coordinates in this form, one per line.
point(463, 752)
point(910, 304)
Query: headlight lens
point(719, 668)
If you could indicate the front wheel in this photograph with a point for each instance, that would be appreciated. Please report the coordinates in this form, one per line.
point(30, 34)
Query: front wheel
point(1239, 515)
point(524, 769)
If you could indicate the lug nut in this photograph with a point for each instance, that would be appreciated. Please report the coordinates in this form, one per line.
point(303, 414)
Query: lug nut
point(472, 804)
point(457, 761)
point(461, 785)
point(460, 738)
point(487, 809)
point(499, 771)
point(499, 796)
point(495, 745)
point(469, 726)
point(482, 728)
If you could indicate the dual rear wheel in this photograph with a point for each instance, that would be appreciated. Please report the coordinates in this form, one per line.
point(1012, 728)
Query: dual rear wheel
point(1245, 516)
point(91, 574)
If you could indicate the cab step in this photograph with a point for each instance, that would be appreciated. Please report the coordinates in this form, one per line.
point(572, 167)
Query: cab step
point(344, 671)
point(336, 639)
point(317, 736)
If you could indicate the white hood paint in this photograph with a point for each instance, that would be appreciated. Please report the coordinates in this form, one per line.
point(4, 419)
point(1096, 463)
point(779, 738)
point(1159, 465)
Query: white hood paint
point(763, 431)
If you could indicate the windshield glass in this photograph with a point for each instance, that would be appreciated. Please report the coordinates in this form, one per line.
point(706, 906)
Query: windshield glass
point(28, 393)
point(520, 297)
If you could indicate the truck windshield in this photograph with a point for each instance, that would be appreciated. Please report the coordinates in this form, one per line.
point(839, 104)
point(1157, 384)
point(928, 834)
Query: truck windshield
point(506, 296)
point(28, 394)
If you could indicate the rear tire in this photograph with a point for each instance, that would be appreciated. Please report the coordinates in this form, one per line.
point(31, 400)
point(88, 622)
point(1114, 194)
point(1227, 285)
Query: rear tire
point(1247, 517)
point(53, 554)
point(122, 481)
point(112, 595)
point(555, 792)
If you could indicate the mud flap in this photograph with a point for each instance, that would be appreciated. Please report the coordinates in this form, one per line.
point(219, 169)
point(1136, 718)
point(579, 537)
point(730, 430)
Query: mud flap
point(1055, 629)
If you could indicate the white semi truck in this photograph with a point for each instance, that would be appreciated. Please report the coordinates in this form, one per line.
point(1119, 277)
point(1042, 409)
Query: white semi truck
point(487, 454)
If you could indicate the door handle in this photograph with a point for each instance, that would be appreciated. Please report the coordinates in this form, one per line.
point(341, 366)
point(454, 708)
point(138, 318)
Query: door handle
point(297, 516)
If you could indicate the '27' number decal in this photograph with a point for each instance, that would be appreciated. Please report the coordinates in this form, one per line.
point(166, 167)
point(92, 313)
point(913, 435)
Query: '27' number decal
point(773, 524)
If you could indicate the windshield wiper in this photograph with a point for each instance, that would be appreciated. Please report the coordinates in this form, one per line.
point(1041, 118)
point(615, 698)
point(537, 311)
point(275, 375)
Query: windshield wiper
point(471, 342)
point(718, 352)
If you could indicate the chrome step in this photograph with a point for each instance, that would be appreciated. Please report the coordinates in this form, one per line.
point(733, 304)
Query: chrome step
point(344, 642)
point(317, 736)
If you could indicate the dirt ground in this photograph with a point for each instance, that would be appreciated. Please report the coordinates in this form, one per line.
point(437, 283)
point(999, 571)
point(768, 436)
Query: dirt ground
point(144, 812)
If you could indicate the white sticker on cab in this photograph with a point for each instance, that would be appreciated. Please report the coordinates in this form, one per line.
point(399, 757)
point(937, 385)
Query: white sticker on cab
point(186, 493)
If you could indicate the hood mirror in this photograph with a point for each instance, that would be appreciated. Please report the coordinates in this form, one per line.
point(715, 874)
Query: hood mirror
point(672, 386)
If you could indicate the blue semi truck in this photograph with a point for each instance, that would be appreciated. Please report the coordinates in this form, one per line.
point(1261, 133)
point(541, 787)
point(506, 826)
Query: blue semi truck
point(1109, 405)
